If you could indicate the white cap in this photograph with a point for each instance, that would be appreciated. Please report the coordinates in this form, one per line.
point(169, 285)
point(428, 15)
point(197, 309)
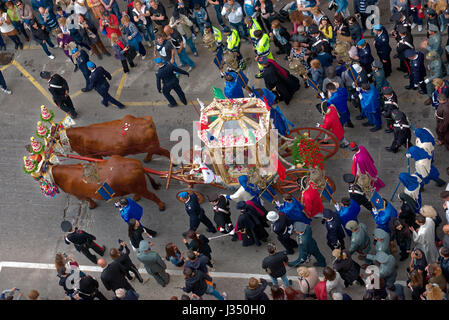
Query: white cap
point(272, 216)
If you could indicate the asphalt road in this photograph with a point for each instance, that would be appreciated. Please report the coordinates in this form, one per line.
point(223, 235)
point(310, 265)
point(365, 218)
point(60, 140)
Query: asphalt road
point(30, 223)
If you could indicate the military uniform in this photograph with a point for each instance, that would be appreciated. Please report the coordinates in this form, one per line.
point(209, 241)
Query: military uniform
point(389, 103)
point(84, 241)
point(356, 192)
point(58, 87)
point(335, 233)
point(318, 40)
point(417, 71)
point(283, 229)
point(196, 214)
point(365, 56)
point(360, 240)
point(436, 70)
point(307, 246)
point(402, 133)
point(383, 242)
point(379, 76)
point(382, 44)
point(404, 43)
point(387, 267)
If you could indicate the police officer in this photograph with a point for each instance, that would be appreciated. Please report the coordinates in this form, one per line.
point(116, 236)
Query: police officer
point(436, 70)
point(317, 39)
point(233, 44)
point(253, 26)
point(364, 55)
point(222, 212)
point(381, 240)
point(379, 76)
point(417, 71)
point(82, 240)
point(400, 19)
point(356, 192)
point(262, 49)
point(283, 227)
point(218, 59)
point(402, 133)
point(307, 246)
point(98, 81)
point(432, 20)
point(166, 74)
point(434, 41)
point(195, 212)
point(81, 58)
point(405, 42)
point(335, 233)
point(382, 44)
point(389, 103)
point(59, 89)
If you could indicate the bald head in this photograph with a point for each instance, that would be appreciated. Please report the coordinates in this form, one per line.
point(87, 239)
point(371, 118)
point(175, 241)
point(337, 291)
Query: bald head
point(168, 30)
point(102, 263)
point(446, 228)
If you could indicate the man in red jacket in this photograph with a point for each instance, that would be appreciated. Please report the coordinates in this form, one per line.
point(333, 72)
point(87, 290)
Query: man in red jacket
point(311, 200)
point(332, 122)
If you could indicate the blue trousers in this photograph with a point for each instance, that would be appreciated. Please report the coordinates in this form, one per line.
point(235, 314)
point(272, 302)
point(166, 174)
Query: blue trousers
point(2, 43)
point(375, 118)
point(191, 44)
point(210, 290)
point(45, 48)
point(218, 8)
point(108, 98)
point(185, 58)
point(148, 32)
point(283, 278)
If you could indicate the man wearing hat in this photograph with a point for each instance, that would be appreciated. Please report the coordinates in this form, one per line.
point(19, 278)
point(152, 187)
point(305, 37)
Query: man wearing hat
point(382, 44)
point(317, 40)
point(405, 42)
point(307, 246)
point(360, 240)
point(433, 43)
point(402, 132)
point(195, 212)
point(250, 225)
point(387, 267)
point(98, 80)
point(380, 80)
point(389, 103)
point(417, 71)
point(363, 163)
point(166, 74)
point(59, 90)
point(233, 45)
point(81, 58)
point(335, 233)
point(432, 20)
point(442, 117)
point(222, 212)
point(356, 192)
point(436, 70)
point(153, 263)
point(381, 240)
point(364, 55)
point(283, 228)
point(348, 210)
point(400, 19)
point(82, 240)
point(369, 102)
point(262, 49)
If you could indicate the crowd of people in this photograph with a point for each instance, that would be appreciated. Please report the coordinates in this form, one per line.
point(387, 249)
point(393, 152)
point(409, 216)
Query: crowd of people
point(304, 33)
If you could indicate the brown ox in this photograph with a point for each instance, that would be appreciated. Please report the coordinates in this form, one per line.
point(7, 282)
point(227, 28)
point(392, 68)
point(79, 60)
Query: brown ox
point(125, 176)
point(111, 138)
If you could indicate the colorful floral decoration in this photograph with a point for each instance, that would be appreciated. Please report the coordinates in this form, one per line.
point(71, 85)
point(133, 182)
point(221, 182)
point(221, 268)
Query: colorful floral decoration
point(306, 153)
point(42, 131)
point(46, 115)
point(29, 166)
point(36, 146)
point(48, 188)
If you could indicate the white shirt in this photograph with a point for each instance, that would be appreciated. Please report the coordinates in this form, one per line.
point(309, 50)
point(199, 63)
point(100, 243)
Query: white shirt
point(233, 17)
point(79, 8)
point(5, 28)
point(425, 240)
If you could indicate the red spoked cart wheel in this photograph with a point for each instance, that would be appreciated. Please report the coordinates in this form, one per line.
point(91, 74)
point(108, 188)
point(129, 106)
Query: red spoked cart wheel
point(328, 145)
point(290, 186)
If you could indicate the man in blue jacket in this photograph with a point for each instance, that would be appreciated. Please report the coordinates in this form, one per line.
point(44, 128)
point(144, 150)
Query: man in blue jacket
point(195, 212)
point(166, 74)
point(234, 85)
point(81, 58)
point(129, 209)
point(98, 81)
point(369, 101)
point(348, 210)
point(339, 98)
point(417, 71)
point(293, 209)
point(335, 233)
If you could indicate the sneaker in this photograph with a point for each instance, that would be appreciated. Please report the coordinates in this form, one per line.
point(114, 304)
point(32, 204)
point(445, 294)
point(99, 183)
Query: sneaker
point(143, 57)
point(138, 54)
point(7, 91)
point(419, 27)
point(51, 57)
point(189, 69)
point(413, 25)
point(195, 54)
point(225, 295)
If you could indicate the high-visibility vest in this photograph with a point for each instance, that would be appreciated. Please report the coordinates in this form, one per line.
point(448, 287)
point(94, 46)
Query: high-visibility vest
point(263, 46)
point(255, 26)
point(233, 40)
point(217, 34)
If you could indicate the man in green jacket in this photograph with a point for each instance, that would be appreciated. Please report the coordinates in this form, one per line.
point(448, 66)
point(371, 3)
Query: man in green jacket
point(306, 246)
point(153, 263)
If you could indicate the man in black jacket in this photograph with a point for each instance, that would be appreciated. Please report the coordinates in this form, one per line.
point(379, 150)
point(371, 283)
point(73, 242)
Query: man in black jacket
point(88, 289)
point(113, 275)
point(283, 228)
point(59, 89)
point(196, 283)
point(165, 73)
point(124, 259)
point(255, 289)
point(98, 81)
point(275, 264)
point(335, 233)
point(81, 58)
point(82, 240)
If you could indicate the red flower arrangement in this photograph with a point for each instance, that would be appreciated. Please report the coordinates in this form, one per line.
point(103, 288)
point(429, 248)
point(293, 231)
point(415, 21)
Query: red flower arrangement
point(306, 153)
